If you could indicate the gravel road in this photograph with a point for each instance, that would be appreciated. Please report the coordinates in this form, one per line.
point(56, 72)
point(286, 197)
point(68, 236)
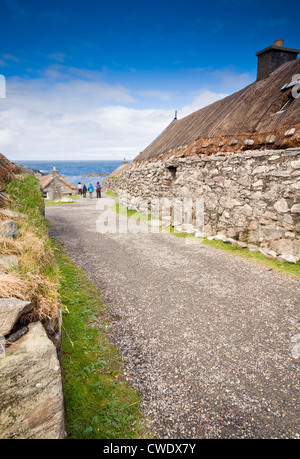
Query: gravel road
point(211, 341)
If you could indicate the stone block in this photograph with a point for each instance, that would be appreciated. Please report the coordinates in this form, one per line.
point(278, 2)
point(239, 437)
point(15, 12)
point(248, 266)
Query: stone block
point(290, 132)
point(9, 229)
point(269, 254)
point(271, 138)
point(295, 209)
point(281, 206)
point(246, 210)
point(295, 164)
point(253, 248)
point(287, 258)
point(11, 310)
point(241, 244)
point(32, 405)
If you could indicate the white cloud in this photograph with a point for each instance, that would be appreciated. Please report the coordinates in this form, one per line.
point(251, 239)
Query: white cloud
point(77, 115)
point(155, 94)
point(58, 57)
point(6, 137)
point(10, 57)
point(231, 80)
point(201, 100)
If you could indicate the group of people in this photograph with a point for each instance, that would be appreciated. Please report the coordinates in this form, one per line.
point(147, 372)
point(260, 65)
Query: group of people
point(83, 190)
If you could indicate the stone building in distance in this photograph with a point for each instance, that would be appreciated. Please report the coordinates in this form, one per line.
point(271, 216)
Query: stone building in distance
point(241, 155)
point(56, 187)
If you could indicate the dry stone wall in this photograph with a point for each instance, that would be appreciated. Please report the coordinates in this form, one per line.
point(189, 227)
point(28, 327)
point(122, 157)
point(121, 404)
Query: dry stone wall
point(250, 196)
point(31, 392)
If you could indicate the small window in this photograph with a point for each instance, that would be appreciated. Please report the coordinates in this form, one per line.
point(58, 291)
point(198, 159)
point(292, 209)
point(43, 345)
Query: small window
point(172, 171)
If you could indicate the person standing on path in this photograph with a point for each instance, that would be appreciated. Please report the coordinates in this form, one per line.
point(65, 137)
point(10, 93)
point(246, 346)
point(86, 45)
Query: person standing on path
point(79, 187)
point(98, 190)
point(90, 190)
point(84, 190)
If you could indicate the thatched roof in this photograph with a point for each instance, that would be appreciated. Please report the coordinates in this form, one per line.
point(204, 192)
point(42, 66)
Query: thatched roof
point(47, 179)
point(251, 113)
point(117, 172)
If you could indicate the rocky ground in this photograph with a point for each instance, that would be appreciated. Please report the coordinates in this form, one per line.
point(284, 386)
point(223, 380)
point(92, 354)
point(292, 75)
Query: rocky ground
point(211, 341)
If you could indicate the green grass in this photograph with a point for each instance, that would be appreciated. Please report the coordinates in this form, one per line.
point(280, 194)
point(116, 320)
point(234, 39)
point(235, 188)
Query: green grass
point(100, 404)
point(36, 278)
point(130, 213)
point(285, 268)
point(53, 203)
point(111, 194)
point(25, 197)
point(289, 269)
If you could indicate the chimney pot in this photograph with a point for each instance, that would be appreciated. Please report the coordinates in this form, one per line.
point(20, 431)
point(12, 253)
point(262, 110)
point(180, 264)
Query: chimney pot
point(278, 43)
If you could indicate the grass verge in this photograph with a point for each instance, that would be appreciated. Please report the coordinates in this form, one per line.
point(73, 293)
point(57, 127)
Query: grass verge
point(54, 203)
point(292, 270)
point(100, 404)
point(130, 213)
point(289, 269)
point(111, 193)
point(34, 277)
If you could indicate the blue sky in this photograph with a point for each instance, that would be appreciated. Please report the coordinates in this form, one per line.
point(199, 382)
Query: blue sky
point(100, 80)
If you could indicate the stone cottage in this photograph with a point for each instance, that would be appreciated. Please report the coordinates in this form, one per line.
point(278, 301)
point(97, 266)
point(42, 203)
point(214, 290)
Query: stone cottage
point(56, 187)
point(241, 155)
point(110, 181)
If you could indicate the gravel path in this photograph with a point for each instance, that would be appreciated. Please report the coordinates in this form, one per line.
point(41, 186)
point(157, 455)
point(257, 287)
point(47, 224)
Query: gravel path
point(211, 341)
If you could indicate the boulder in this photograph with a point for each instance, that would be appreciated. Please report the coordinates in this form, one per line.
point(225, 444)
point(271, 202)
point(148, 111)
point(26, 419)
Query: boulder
point(286, 247)
point(11, 214)
point(220, 237)
point(11, 310)
point(290, 132)
point(281, 206)
point(32, 404)
point(241, 244)
point(288, 258)
point(269, 254)
point(9, 229)
point(230, 240)
point(253, 248)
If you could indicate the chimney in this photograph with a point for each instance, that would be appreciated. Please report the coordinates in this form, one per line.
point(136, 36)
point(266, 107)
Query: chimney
point(269, 59)
point(55, 172)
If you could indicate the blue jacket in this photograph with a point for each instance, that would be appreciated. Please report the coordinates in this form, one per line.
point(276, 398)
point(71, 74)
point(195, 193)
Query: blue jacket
point(90, 188)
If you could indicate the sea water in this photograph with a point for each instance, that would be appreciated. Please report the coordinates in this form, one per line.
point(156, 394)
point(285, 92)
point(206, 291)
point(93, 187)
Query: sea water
point(74, 171)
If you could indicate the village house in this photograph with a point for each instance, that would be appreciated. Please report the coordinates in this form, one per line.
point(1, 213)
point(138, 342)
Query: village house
point(56, 187)
point(241, 155)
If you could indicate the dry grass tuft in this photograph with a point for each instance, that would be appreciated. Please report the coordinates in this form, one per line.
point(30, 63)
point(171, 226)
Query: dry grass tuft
point(36, 279)
point(13, 286)
point(35, 253)
point(10, 246)
point(40, 291)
